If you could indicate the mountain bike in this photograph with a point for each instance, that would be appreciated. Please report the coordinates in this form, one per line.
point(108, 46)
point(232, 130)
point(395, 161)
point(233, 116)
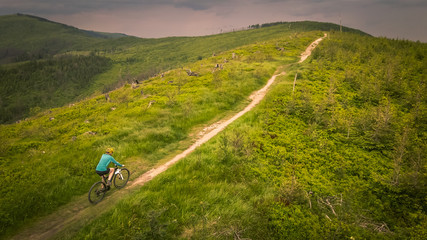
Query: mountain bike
point(98, 189)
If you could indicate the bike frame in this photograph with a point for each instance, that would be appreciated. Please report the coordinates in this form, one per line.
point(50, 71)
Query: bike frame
point(117, 171)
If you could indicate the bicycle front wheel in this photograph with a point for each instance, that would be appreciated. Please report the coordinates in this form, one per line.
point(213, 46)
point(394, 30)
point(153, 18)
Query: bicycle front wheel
point(97, 192)
point(121, 178)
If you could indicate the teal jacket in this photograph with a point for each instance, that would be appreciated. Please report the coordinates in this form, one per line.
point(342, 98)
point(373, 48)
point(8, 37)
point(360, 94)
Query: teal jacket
point(105, 160)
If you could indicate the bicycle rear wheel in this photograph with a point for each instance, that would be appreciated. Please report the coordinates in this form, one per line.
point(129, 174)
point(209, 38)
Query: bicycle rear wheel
point(97, 192)
point(121, 178)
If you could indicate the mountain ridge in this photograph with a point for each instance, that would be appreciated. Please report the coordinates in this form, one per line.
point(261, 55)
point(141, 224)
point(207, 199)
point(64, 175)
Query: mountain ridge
point(17, 28)
point(48, 53)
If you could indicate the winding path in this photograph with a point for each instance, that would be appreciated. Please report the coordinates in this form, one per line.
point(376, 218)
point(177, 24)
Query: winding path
point(79, 212)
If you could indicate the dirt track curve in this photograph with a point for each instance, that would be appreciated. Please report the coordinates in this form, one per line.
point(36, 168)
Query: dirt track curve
point(79, 212)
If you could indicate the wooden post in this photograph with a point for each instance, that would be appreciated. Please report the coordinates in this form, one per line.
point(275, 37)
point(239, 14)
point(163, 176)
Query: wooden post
point(295, 79)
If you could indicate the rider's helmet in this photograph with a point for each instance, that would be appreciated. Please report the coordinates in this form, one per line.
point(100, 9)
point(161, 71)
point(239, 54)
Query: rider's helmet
point(109, 150)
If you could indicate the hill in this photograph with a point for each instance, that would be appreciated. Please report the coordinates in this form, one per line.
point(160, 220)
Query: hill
point(26, 37)
point(145, 122)
point(338, 156)
point(96, 63)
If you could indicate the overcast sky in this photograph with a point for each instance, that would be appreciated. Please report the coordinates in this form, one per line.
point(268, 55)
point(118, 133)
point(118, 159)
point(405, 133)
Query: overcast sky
point(398, 19)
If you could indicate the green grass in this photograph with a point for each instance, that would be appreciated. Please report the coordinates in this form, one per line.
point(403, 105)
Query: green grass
point(324, 161)
point(62, 140)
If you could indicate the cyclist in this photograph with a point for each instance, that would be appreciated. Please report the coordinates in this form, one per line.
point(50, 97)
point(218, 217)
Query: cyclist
point(102, 167)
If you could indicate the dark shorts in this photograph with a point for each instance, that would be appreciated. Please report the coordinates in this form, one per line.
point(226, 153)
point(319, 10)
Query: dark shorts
point(100, 173)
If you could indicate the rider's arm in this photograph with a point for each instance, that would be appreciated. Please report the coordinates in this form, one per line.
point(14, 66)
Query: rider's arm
point(115, 162)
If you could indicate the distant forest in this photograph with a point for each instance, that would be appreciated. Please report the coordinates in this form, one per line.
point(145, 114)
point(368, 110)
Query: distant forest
point(31, 86)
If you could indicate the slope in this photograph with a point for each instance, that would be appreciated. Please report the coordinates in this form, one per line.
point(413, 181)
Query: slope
point(338, 155)
point(145, 122)
point(72, 215)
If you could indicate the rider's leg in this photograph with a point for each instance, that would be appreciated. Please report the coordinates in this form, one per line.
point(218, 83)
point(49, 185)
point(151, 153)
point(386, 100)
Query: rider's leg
point(103, 180)
point(111, 175)
point(102, 174)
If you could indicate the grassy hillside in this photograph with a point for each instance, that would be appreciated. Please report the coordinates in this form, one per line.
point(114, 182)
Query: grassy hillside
point(27, 37)
point(29, 87)
point(341, 157)
point(37, 80)
point(56, 150)
point(126, 59)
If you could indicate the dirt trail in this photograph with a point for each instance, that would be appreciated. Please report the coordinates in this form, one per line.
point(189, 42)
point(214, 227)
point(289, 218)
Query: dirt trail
point(206, 134)
point(310, 48)
point(79, 212)
point(217, 127)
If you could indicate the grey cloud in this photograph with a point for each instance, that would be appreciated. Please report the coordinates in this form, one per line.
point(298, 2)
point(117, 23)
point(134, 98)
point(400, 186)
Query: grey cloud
point(197, 5)
point(75, 6)
point(397, 3)
point(400, 3)
point(70, 7)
